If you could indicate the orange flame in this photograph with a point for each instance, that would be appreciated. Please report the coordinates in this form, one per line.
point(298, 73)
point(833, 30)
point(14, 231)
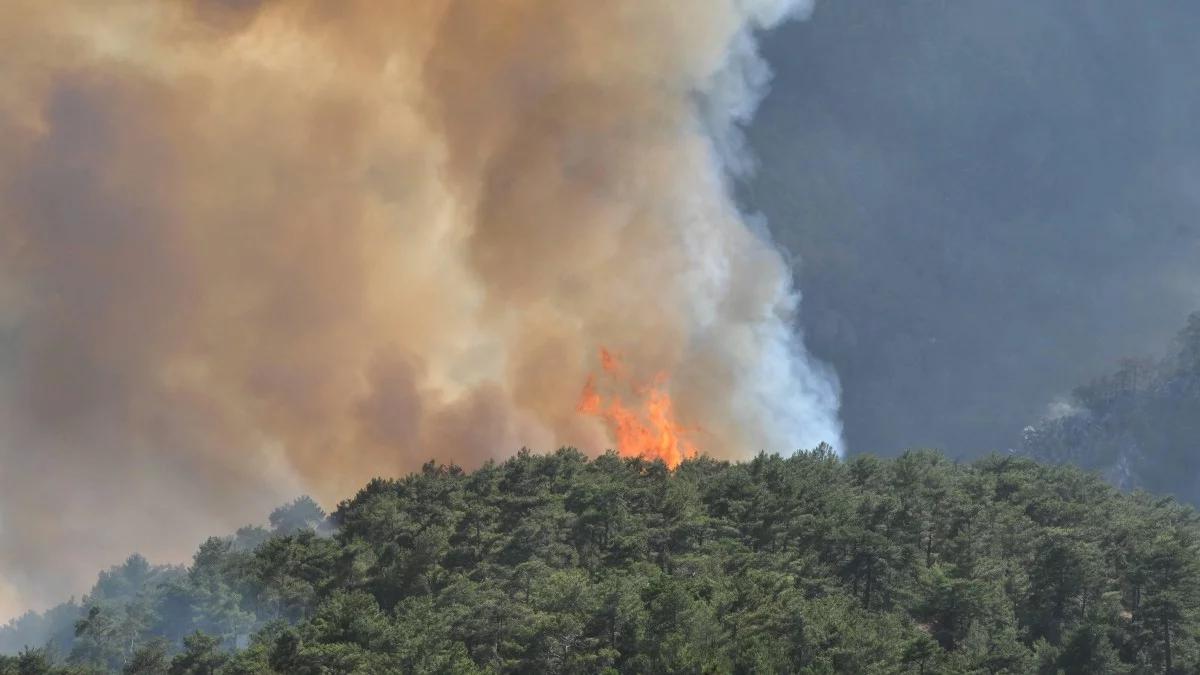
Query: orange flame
point(647, 430)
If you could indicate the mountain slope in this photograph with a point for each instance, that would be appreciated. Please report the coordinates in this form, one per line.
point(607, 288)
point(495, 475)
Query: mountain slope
point(1139, 426)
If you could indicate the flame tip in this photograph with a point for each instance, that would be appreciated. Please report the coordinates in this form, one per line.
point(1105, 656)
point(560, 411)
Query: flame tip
point(649, 430)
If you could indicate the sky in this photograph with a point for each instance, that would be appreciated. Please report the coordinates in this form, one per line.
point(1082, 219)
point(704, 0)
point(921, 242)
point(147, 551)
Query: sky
point(988, 203)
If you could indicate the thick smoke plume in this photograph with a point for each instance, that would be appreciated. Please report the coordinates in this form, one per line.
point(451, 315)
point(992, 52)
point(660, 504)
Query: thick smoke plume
point(254, 248)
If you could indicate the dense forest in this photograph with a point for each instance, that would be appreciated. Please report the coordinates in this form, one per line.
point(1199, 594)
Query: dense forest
point(1139, 426)
point(561, 564)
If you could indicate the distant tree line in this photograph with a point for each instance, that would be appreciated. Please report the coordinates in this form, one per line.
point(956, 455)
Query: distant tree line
point(561, 564)
point(1139, 426)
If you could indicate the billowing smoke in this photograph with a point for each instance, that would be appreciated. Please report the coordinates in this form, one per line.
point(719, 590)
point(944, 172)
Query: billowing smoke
point(249, 249)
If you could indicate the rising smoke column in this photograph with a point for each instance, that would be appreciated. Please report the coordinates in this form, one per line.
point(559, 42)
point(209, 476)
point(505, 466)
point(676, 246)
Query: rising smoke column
point(249, 249)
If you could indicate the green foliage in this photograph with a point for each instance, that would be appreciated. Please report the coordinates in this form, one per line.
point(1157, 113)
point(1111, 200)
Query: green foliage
point(302, 514)
point(149, 659)
point(201, 655)
point(558, 564)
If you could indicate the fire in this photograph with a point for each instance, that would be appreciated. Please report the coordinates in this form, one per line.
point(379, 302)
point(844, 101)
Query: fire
point(647, 429)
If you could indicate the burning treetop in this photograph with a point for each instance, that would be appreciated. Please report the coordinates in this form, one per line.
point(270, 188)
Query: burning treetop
point(647, 427)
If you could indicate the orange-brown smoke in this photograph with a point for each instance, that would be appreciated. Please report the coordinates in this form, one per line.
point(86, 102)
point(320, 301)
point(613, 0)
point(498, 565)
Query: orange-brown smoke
point(249, 249)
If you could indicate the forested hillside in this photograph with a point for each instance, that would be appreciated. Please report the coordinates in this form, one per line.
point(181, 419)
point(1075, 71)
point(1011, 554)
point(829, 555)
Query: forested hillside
point(560, 564)
point(1139, 426)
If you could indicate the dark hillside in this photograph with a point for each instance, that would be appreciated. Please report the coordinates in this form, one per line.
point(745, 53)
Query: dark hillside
point(1139, 426)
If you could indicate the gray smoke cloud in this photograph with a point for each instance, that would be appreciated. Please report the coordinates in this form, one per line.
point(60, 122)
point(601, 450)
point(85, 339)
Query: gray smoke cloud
point(249, 249)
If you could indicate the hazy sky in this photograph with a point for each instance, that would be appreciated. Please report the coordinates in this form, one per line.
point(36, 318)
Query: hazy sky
point(991, 202)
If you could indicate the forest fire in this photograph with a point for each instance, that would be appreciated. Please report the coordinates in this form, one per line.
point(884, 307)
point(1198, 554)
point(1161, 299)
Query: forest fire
point(646, 429)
